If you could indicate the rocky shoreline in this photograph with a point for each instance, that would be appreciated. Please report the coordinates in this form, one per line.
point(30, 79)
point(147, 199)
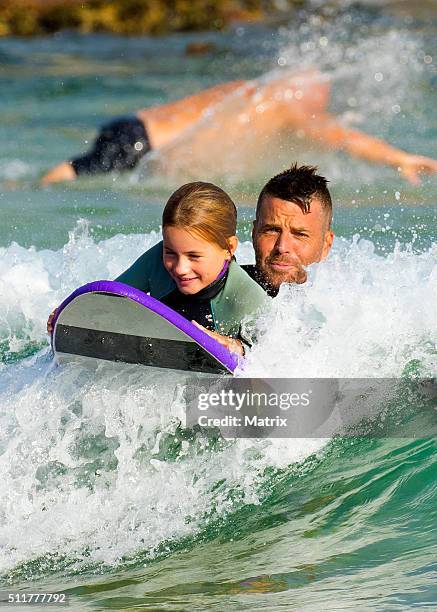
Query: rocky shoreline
point(129, 17)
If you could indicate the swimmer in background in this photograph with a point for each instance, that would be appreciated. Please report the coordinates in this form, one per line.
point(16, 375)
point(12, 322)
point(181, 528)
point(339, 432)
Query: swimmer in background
point(293, 104)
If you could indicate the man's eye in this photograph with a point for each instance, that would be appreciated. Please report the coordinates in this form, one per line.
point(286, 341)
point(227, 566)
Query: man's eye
point(271, 230)
point(195, 256)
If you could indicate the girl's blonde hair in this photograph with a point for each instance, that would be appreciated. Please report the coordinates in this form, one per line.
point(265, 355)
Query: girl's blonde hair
point(203, 208)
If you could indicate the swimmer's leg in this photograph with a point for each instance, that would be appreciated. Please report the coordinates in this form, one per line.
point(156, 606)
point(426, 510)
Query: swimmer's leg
point(120, 144)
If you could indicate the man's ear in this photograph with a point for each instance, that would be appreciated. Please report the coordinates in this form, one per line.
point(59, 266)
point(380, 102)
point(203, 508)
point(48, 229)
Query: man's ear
point(327, 244)
point(253, 230)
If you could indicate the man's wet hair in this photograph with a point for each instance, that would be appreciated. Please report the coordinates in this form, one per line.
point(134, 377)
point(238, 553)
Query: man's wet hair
point(298, 184)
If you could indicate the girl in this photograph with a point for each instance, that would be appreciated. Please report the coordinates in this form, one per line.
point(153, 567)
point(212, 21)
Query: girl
point(193, 269)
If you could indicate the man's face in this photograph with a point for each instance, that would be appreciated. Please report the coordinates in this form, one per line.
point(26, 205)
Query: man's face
point(286, 239)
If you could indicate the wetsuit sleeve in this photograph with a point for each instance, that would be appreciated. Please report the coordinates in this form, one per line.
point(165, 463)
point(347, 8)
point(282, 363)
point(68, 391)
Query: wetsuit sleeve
point(241, 300)
point(256, 302)
point(137, 275)
point(146, 272)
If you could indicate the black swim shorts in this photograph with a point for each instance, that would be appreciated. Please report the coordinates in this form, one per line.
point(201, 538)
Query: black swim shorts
point(119, 146)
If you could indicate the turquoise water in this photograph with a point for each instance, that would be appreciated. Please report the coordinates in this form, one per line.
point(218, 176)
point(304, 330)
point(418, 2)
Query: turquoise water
point(99, 494)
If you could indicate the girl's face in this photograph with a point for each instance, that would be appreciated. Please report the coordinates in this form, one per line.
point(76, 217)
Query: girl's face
point(192, 262)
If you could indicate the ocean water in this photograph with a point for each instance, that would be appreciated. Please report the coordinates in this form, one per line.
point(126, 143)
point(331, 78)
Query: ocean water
point(101, 494)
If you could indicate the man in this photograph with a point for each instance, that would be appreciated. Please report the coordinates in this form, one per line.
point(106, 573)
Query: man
point(292, 227)
point(224, 113)
point(291, 230)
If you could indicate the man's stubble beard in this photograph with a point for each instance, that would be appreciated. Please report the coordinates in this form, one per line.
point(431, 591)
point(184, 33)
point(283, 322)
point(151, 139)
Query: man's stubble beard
point(297, 274)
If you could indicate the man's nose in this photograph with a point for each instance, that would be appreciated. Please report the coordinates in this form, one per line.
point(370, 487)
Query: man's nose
point(283, 243)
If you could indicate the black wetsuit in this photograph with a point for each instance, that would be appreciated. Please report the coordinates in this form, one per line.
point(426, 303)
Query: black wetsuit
point(259, 278)
point(196, 307)
point(120, 144)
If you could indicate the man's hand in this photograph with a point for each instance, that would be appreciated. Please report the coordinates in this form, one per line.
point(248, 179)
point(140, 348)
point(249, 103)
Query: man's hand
point(412, 166)
point(50, 321)
point(233, 345)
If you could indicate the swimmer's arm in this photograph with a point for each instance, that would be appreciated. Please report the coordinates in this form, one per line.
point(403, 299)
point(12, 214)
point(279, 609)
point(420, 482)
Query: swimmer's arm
point(328, 131)
point(232, 344)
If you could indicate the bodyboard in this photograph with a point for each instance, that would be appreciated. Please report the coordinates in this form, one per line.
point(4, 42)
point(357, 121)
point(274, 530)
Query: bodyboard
point(112, 321)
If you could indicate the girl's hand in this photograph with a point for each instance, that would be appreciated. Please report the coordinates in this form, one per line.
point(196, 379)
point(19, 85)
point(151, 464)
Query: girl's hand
point(233, 345)
point(50, 321)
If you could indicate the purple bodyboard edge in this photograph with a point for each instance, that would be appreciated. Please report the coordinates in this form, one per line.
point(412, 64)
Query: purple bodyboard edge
point(228, 359)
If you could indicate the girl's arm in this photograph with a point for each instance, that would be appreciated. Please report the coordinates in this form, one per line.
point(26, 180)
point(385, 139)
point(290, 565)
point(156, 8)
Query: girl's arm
point(232, 344)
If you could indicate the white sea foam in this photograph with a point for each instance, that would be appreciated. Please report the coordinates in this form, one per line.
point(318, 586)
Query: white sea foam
point(361, 315)
point(15, 169)
point(93, 465)
point(85, 467)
